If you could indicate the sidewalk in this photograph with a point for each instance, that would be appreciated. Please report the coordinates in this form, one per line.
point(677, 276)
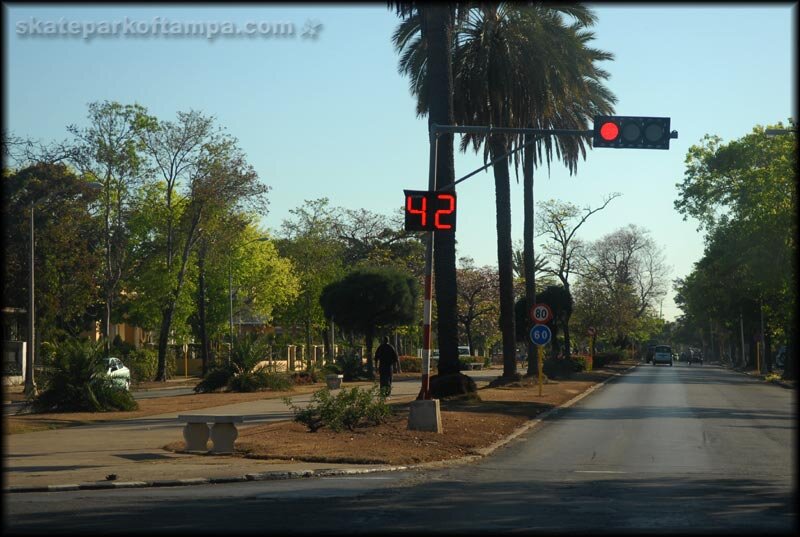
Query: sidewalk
point(81, 457)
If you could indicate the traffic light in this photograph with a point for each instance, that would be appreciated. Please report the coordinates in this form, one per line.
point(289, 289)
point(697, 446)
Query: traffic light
point(427, 210)
point(626, 132)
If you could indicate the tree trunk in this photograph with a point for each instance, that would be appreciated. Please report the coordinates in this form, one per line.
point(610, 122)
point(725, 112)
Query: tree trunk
point(163, 337)
point(201, 308)
point(437, 25)
point(326, 346)
point(498, 147)
point(368, 337)
point(528, 253)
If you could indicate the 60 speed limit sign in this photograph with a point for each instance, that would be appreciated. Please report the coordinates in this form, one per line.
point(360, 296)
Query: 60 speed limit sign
point(540, 335)
point(541, 313)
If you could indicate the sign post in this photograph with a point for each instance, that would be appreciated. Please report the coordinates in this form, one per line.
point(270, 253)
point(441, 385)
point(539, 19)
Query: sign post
point(540, 335)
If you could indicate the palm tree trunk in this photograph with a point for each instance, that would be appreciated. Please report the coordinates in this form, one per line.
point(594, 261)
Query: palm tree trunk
point(437, 25)
point(498, 147)
point(528, 254)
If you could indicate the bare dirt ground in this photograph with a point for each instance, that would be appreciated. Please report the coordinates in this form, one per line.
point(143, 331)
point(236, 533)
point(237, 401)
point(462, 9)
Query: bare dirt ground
point(468, 425)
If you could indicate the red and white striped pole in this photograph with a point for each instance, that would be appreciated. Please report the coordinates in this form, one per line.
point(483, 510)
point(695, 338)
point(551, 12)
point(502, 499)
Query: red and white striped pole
point(425, 390)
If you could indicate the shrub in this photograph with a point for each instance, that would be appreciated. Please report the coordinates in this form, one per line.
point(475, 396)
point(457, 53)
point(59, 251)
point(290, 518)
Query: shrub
point(351, 367)
point(215, 379)
point(143, 364)
point(601, 359)
point(77, 381)
point(244, 381)
point(561, 367)
point(410, 364)
point(349, 409)
point(279, 382)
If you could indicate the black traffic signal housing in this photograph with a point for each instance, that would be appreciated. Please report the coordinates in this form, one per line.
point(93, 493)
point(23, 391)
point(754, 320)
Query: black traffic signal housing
point(427, 210)
point(629, 132)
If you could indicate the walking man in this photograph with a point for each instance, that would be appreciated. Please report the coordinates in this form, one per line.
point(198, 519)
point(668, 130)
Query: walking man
point(386, 358)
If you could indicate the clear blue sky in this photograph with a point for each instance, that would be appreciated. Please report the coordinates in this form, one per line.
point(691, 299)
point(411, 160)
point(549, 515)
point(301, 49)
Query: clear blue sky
point(331, 117)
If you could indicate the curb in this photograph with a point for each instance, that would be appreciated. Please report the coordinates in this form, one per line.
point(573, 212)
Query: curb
point(296, 474)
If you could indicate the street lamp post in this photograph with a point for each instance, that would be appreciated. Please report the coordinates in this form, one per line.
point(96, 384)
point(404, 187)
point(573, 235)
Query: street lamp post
point(230, 287)
point(30, 385)
point(30, 382)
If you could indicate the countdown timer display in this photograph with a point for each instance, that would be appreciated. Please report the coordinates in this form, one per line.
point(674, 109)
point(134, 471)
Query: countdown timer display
point(427, 210)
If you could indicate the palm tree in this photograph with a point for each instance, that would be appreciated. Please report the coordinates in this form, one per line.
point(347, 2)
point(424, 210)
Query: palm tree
point(568, 93)
point(434, 79)
point(514, 66)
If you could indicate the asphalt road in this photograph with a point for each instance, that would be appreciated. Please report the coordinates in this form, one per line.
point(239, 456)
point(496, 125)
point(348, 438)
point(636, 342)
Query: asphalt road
point(662, 449)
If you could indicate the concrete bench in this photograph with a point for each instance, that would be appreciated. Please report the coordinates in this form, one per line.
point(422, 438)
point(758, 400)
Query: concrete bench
point(474, 365)
point(223, 432)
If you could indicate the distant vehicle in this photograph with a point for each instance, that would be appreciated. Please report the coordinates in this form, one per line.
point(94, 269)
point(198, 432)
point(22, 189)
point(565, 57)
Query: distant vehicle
point(120, 375)
point(463, 350)
point(695, 356)
point(662, 354)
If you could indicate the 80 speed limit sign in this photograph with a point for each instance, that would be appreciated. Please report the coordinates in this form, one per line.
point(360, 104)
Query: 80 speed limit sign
point(541, 313)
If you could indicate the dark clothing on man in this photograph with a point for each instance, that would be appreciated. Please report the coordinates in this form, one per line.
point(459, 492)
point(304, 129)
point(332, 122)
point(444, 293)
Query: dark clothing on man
point(386, 358)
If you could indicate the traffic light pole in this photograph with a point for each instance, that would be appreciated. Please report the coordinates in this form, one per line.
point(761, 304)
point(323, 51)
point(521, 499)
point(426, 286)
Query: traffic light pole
point(425, 389)
point(434, 132)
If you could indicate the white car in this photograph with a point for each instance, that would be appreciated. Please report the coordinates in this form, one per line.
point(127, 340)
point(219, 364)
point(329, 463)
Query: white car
point(120, 375)
point(662, 354)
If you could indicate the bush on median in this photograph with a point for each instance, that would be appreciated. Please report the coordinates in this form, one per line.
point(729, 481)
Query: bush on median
point(350, 408)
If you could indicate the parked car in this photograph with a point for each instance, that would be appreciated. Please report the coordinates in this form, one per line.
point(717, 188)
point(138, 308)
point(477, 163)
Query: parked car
point(119, 373)
point(662, 354)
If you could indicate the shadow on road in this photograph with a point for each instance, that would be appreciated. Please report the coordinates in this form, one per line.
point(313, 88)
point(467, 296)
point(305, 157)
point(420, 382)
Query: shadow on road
point(526, 503)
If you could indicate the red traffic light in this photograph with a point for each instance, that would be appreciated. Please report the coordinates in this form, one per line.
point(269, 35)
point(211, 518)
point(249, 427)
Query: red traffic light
point(609, 131)
point(631, 132)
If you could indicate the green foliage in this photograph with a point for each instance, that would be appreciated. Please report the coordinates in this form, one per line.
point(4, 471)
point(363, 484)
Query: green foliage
point(77, 382)
point(216, 379)
point(143, 363)
point(67, 258)
point(410, 364)
point(743, 193)
point(383, 297)
point(245, 373)
point(351, 367)
point(562, 368)
point(349, 409)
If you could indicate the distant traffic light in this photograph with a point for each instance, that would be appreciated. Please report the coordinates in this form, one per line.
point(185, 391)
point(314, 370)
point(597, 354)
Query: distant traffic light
point(430, 210)
point(626, 132)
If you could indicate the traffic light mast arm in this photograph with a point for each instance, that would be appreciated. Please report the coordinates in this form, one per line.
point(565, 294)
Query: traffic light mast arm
point(443, 129)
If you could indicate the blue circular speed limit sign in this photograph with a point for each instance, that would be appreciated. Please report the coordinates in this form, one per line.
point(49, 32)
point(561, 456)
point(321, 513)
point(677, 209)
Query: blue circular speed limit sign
point(541, 334)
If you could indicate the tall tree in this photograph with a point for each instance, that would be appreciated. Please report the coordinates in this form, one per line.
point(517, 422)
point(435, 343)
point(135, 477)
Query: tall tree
point(630, 267)
point(477, 289)
point(560, 222)
point(744, 194)
point(427, 36)
point(204, 171)
point(495, 83)
point(67, 252)
point(309, 238)
point(385, 298)
point(109, 151)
